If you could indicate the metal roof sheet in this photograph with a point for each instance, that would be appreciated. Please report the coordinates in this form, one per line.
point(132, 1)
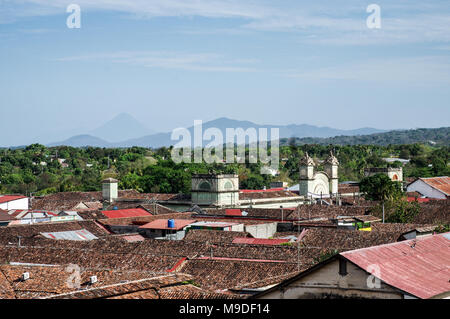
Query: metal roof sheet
point(81, 234)
point(163, 224)
point(10, 198)
point(420, 266)
point(131, 212)
point(441, 183)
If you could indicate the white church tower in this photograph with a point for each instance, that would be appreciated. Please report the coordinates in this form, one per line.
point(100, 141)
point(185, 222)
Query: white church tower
point(331, 168)
point(306, 175)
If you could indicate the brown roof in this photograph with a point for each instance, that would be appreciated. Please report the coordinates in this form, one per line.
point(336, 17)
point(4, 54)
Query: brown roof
point(342, 239)
point(127, 290)
point(266, 194)
point(50, 280)
point(192, 292)
point(10, 233)
point(325, 211)
point(213, 236)
point(228, 274)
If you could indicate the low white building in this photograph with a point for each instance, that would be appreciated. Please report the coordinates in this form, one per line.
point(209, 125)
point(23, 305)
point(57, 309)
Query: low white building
point(433, 187)
point(8, 202)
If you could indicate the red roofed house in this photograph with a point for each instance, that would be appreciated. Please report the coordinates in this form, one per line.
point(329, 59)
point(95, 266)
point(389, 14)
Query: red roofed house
point(410, 269)
point(131, 212)
point(9, 202)
point(173, 229)
point(433, 187)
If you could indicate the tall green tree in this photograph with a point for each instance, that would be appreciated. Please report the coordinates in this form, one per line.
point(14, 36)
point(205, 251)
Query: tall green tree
point(380, 187)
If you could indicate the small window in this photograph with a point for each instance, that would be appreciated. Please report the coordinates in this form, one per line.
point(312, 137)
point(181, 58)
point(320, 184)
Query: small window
point(342, 267)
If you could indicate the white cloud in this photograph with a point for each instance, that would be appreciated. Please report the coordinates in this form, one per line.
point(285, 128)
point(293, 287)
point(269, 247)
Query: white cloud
point(417, 71)
point(330, 22)
point(170, 60)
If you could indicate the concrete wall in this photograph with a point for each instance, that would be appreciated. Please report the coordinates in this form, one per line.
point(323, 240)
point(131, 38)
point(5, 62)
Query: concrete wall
point(326, 282)
point(262, 230)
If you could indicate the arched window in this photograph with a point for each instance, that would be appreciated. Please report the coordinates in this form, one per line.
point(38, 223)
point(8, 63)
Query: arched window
point(205, 186)
point(228, 185)
point(395, 177)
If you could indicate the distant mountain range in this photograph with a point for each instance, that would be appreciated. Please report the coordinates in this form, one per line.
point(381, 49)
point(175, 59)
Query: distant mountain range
point(432, 136)
point(108, 135)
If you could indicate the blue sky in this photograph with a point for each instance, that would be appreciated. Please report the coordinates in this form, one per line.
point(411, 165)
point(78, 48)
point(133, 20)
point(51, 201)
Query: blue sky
point(168, 62)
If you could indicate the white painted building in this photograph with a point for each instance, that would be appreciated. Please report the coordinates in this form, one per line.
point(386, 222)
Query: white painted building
point(317, 183)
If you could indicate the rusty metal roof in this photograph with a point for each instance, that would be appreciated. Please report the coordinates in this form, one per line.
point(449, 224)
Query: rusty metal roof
point(441, 183)
point(420, 267)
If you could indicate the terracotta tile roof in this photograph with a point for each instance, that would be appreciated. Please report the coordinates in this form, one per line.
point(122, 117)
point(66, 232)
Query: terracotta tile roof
point(419, 267)
point(192, 292)
point(266, 194)
point(342, 239)
point(259, 241)
point(70, 200)
point(50, 280)
point(348, 189)
point(257, 213)
point(228, 274)
point(89, 258)
point(4, 216)
point(133, 238)
point(325, 211)
point(127, 290)
point(10, 233)
point(213, 236)
point(151, 207)
point(6, 290)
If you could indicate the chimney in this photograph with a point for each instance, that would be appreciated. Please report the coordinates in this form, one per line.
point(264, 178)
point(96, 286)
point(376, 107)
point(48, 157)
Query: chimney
point(25, 276)
point(110, 189)
point(93, 280)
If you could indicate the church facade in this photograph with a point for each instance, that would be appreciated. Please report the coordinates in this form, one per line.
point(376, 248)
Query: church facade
point(318, 183)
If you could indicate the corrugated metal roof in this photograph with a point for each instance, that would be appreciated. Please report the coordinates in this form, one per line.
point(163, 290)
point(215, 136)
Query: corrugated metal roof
point(440, 183)
point(163, 224)
point(214, 224)
point(420, 266)
point(131, 212)
point(233, 212)
point(259, 241)
point(81, 234)
point(10, 198)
